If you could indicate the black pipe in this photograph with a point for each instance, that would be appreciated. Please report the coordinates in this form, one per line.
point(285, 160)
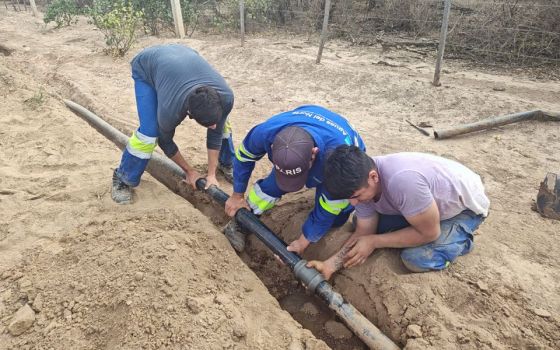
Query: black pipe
point(251, 223)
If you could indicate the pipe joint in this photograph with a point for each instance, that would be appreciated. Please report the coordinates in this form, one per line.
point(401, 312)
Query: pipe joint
point(309, 276)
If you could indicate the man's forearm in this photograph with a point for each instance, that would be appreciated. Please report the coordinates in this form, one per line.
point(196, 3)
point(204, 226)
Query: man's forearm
point(403, 238)
point(212, 161)
point(181, 162)
point(338, 258)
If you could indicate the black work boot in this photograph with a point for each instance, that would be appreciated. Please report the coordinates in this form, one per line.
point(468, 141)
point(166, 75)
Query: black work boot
point(227, 171)
point(120, 192)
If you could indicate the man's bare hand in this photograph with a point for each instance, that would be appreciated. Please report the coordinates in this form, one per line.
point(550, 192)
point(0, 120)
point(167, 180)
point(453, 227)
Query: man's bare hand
point(191, 178)
point(324, 267)
point(362, 247)
point(299, 245)
point(235, 202)
point(211, 180)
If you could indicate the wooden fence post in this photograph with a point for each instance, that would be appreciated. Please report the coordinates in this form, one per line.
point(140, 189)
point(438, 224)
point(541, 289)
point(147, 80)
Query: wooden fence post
point(242, 20)
point(178, 18)
point(34, 8)
point(442, 38)
point(324, 30)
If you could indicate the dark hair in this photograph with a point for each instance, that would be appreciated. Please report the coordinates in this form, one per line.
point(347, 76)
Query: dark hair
point(346, 171)
point(204, 106)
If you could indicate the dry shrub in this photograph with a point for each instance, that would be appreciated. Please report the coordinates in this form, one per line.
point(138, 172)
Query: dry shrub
point(416, 17)
point(512, 31)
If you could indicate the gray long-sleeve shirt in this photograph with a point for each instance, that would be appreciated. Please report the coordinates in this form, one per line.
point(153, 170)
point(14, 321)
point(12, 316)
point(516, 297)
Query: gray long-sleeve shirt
point(175, 71)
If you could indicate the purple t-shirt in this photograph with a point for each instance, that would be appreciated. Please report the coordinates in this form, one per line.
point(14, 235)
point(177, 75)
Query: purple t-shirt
point(411, 181)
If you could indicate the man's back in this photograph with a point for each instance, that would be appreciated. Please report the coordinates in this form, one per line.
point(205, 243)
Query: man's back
point(174, 71)
point(410, 181)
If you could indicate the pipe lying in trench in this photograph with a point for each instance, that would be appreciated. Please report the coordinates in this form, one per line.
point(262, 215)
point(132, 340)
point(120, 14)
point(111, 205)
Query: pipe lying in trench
point(171, 175)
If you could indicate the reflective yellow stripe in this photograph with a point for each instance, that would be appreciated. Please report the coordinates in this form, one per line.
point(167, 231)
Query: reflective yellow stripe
point(140, 145)
point(245, 152)
point(226, 133)
point(260, 201)
point(241, 158)
point(333, 207)
point(245, 156)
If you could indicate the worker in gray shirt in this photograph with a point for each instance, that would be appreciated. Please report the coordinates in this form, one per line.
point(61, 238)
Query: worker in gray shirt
point(172, 82)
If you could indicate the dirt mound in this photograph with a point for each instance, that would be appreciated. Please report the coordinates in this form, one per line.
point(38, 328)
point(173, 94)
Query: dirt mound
point(145, 280)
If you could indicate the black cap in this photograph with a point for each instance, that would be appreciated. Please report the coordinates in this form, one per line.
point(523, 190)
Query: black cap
point(291, 154)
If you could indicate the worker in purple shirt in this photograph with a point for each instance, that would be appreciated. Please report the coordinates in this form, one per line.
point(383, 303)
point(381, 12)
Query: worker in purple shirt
point(427, 205)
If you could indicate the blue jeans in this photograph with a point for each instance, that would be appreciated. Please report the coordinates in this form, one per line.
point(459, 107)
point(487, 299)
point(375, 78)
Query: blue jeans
point(131, 168)
point(456, 239)
point(227, 152)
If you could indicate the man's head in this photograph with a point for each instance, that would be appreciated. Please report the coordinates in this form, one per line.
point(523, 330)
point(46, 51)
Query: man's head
point(293, 152)
point(351, 174)
point(204, 106)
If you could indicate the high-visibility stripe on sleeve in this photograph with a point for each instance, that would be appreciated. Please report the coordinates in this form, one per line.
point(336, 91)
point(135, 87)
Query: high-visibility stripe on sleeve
point(333, 206)
point(141, 146)
point(260, 201)
point(245, 156)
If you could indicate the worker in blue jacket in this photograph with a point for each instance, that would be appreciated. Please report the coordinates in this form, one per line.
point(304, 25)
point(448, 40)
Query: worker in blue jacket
point(296, 143)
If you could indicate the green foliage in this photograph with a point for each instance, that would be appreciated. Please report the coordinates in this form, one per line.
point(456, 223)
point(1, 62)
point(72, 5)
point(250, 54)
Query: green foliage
point(118, 21)
point(62, 12)
point(35, 101)
point(258, 8)
point(157, 14)
point(190, 11)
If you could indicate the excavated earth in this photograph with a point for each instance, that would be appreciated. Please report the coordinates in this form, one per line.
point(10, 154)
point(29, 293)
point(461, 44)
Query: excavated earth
point(86, 273)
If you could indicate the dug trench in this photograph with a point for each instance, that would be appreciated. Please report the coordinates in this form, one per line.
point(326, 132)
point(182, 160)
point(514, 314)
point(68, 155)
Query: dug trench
point(286, 220)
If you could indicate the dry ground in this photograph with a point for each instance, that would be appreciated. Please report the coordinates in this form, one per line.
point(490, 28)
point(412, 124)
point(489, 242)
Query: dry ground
point(158, 274)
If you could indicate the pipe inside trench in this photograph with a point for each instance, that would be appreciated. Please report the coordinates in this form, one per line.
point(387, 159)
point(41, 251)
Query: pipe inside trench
point(168, 173)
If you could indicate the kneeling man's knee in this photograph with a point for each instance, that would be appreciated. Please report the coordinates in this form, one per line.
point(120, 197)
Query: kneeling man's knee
point(423, 259)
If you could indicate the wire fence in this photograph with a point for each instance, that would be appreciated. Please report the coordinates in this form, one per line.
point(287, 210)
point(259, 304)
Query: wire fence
point(522, 33)
point(519, 33)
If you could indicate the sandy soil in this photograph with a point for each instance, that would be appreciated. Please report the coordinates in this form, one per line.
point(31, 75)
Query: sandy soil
point(159, 274)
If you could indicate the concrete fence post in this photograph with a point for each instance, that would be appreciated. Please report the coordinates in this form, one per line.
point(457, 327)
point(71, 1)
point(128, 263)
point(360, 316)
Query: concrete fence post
point(178, 18)
point(242, 20)
point(34, 8)
point(324, 30)
point(442, 38)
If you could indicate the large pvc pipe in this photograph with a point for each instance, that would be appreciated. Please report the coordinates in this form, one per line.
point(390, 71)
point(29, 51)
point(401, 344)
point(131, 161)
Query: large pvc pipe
point(171, 175)
point(493, 122)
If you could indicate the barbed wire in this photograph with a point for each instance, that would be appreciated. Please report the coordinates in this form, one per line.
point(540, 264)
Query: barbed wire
point(512, 29)
point(503, 53)
point(501, 3)
point(457, 24)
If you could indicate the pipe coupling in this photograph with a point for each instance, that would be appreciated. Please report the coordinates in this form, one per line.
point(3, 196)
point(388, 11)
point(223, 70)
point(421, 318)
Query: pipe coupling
point(309, 276)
